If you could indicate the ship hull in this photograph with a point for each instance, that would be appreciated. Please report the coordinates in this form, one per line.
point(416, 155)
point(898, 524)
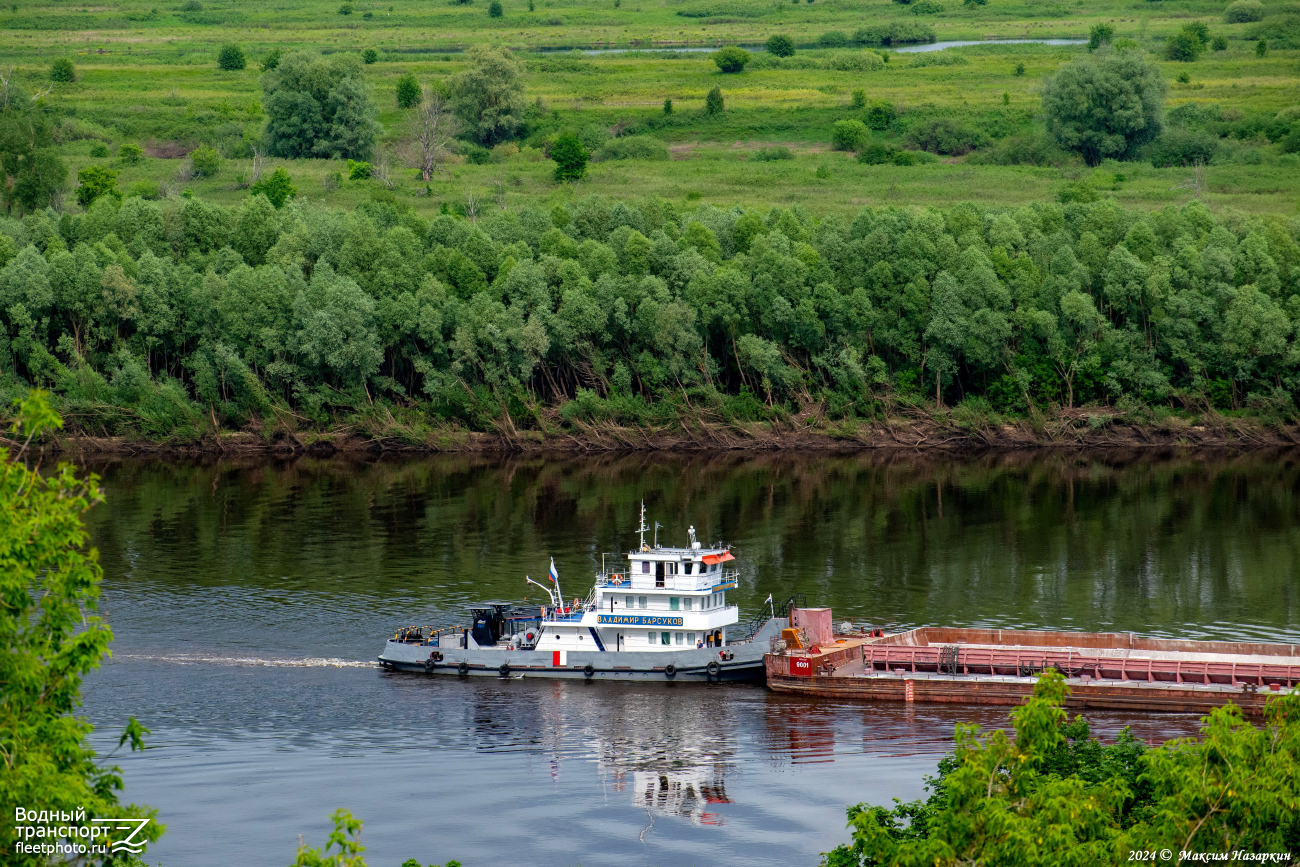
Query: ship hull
point(689, 665)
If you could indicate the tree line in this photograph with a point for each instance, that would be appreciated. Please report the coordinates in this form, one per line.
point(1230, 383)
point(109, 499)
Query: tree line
point(166, 317)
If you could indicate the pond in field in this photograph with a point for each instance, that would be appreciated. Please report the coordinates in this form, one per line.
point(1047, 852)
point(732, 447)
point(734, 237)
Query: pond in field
point(249, 599)
point(940, 46)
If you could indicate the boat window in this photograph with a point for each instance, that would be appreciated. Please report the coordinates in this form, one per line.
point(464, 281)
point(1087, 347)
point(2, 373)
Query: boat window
point(653, 637)
point(690, 638)
point(686, 603)
point(645, 567)
point(679, 638)
point(665, 638)
point(642, 602)
point(629, 602)
point(674, 603)
point(689, 567)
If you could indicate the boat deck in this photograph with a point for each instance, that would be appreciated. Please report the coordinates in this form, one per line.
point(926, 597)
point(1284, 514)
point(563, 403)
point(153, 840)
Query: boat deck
point(1117, 671)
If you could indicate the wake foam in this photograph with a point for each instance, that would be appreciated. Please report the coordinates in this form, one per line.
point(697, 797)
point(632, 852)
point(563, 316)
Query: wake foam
point(250, 661)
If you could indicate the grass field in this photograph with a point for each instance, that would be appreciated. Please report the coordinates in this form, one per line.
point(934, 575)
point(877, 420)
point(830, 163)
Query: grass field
point(148, 75)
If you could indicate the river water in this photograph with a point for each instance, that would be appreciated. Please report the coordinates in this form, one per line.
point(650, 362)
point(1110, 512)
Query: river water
point(250, 598)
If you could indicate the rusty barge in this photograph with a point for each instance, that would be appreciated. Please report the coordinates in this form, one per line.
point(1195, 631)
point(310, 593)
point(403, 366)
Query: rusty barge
point(1112, 671)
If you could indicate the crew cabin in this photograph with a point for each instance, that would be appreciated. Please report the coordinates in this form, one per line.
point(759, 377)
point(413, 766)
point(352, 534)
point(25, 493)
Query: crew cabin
point(667, 598)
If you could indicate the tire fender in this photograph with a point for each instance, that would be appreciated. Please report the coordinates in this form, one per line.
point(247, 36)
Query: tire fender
point(504, 670)
point(463, 669)
point(713, 668)
point(670, 670)
point(588, 670)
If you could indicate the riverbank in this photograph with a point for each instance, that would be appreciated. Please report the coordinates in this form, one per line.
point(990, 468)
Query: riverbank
point(920, 430)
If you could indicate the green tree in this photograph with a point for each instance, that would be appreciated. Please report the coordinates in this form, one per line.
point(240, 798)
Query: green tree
point(277, 187)
point(369, 56)
point(96, 181)
point(1099, 35)
point(495, 10)
point(1184, 46)
point(570, 158)
point(1261, 48)
point(1106, 104)
point(408, 91)
point(33, 171)
point(488, 96)
point(668, 106)
point(130, 154)
point(52, 639)
point(779, 45)
point(1244, 12)
point(272, 59)
point(231, 58)
point(319, 106)
point(713, 103)
point(731, 59)
point(1053, 796)
point(62, 71)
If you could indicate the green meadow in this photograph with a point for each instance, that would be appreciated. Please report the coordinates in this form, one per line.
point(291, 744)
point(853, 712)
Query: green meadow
point(148, 75)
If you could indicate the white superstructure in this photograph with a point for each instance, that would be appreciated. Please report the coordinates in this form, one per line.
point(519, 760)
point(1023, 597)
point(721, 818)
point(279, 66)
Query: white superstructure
point(659, 599)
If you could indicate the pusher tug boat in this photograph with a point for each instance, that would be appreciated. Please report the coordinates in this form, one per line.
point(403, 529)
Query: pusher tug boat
point(664, 617)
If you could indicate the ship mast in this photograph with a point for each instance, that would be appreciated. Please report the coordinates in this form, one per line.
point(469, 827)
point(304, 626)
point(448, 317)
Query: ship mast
point(643, 527)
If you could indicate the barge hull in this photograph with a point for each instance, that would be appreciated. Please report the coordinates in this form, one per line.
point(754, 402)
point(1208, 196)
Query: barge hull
point(1111, 671)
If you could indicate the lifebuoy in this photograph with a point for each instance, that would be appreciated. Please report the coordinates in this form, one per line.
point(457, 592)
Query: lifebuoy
point(504, 669)
point(589, 669)
point(713, 668)
point(462, 669)
point(670, 670)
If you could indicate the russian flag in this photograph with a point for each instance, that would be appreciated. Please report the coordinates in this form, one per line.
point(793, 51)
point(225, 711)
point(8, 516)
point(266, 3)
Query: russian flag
point(555, 575)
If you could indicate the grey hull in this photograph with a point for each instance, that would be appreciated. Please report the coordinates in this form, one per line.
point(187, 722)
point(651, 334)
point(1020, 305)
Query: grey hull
point(686, 665)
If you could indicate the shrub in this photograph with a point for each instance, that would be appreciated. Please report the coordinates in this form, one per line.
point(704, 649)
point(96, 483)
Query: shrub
point(713, 103)
point(876, 154)
point(476, 155)
point(635, 147)
point(937, 58)
point(1183, 46)
point(1099, 35)
point(1219, 43)
point(94, 182)
point(272, 59)
point(849, 135)
point(927, 7)
point(780, 46)
point(895, 33)
point(495, 10)
point(1023, 150)
point(1244, 12)
point(345, 9)
point(231, 58)
point(881, 114)
point(1261, 48)
point(854, 61)
point(570, 158)
point(942, 135)
point(277, 187)
point(144, 190)
point(1019, 70)
point(205, 162)
point(63, 71)
point(192, 6)
point(359, 170)
point(408, 91)
point(369, 56)
point(1181, 146)
point(771, 154)
point(731, 59)
point(130, 154)
point(1105, 105)
point(859, 98)
point(832, 39)
point(99, 150)
point(668, 106)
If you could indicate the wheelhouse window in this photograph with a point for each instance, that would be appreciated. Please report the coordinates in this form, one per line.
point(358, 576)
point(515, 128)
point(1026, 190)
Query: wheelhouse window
point(645, 567)
point(689, 567)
